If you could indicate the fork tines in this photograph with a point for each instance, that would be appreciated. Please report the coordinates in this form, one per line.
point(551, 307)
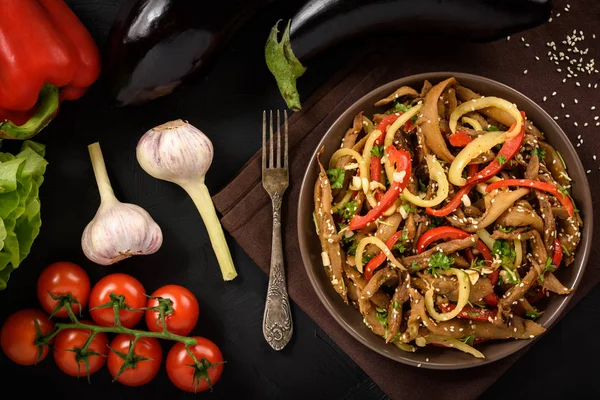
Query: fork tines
point(271, 157)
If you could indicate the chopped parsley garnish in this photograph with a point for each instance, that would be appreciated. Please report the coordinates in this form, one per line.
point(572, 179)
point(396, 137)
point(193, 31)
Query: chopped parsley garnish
point(404, 234)
point(367, 257)
point(567, 253)
point(478, 264)
point(562, 189)
point(468, 340)
point(504, 252)
point(435, 221)
point(506, 229)
point(501, 160)
point(399, 107)
point(408, 208)
point(512, 276)
point(336, 177)
point(352, 249)
point(549, 267)
point(347, 240)
point(422, 186)
point(349, 209)
point(439, 261)
point(492, 128)
point(532, 314)
point(377, 151)
point(381, 316)
point(400, 247)
point(414, 266)
point(396, 305)
point(540, 153)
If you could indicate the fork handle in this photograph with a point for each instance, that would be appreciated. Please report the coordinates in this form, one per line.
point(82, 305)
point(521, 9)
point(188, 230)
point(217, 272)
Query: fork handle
point(277, 319)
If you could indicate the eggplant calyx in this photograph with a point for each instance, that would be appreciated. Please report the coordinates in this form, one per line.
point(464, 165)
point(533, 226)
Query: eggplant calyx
point(284, 66)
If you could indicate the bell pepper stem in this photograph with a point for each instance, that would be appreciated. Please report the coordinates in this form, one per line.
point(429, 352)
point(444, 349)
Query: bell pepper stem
point(48, 105)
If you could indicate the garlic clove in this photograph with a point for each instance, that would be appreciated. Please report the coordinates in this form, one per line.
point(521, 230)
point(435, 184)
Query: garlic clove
point(119, 231)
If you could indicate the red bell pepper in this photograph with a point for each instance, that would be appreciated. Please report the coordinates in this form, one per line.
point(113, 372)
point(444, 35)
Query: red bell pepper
point(375, 168)
point(401, 159)
point(457, 199)
point(539, 295)
point(471, 312)
point(449, 233)
point(46, 55)
point(459, 139)
point(564, 200)
point(558, 253)
point(380, 258)
point(509, 149)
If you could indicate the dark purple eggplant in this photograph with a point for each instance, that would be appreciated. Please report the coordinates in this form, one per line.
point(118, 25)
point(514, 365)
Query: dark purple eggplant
point(155, 45)
point(320, 24)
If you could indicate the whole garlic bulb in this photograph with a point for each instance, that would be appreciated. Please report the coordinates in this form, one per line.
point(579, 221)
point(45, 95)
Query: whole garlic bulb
point(179, 152)
point(176, 152)
point(118, 230)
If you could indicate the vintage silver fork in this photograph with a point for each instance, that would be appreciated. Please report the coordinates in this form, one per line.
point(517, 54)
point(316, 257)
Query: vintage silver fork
point(277, 320)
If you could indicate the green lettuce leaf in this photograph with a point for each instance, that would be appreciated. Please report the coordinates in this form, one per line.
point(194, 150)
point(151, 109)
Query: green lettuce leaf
point(20, 218)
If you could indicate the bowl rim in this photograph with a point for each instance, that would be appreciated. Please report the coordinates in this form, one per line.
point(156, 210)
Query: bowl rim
point(584, 195)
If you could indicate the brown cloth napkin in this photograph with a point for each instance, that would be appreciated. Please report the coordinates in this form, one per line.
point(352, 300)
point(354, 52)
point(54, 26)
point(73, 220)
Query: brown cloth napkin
point(526, 63)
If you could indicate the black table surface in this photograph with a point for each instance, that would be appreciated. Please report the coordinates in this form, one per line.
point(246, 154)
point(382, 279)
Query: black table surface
point(226, 104)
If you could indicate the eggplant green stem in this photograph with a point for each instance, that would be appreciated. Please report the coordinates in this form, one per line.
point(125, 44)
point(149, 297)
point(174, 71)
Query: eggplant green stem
point(284, 66)
point(201, 197)
point(48, 102)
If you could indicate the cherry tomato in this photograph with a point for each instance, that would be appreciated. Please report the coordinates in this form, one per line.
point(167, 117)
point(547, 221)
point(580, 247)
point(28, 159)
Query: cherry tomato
point(119, 284)
point(62, 278)
point(185, 310)
point(143, 371)
point(182, 375)
point(70, 339)
point(18, 335)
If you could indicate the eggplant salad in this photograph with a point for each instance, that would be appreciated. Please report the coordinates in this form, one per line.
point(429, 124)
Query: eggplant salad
point(443, 218)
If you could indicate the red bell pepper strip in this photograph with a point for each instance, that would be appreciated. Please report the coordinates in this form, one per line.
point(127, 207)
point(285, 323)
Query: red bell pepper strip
point(492, 299)
point(459, 139)
point(380, 258)
point(46, 55)
point(564, 200)
point(457, 199)
point(509, 149)
point(471, 312)
point(449, 233)
point(376, 175)
point(558, 253)
point(401, 159)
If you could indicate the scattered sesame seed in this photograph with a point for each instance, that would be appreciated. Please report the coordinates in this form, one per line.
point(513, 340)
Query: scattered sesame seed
point(588, 171)
point(567, 115)
point(544, 99)
point(508, 38)
point(577, 83)
point(536, 57)
point(575, 123)
point(576, 101)
point(593, 108)
point(553, 93)
point(555, 117)
point(562, 105)
point(525, 72)
point(586, 124)
point(522, 39)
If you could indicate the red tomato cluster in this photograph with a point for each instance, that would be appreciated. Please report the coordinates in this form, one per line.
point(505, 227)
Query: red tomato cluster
point(20, 330)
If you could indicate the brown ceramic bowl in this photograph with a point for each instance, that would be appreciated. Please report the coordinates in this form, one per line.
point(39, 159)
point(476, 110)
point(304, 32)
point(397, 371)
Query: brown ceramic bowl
point(349, 318)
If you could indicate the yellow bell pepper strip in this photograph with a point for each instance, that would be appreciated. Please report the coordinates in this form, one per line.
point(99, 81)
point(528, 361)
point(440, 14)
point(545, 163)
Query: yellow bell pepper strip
point(402, 160)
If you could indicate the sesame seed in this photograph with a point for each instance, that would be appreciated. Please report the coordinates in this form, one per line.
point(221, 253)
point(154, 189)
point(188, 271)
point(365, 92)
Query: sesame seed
point(567, 115)
point(525, 72)
point(545, 98)
point(577, 83)
point(588, 171)
point(575, 123)
point(586, 124)
point(593, 108)
point(553, 93)
point(508, 38)
point(555, 117)
point(536, 57)
point(562, 105)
